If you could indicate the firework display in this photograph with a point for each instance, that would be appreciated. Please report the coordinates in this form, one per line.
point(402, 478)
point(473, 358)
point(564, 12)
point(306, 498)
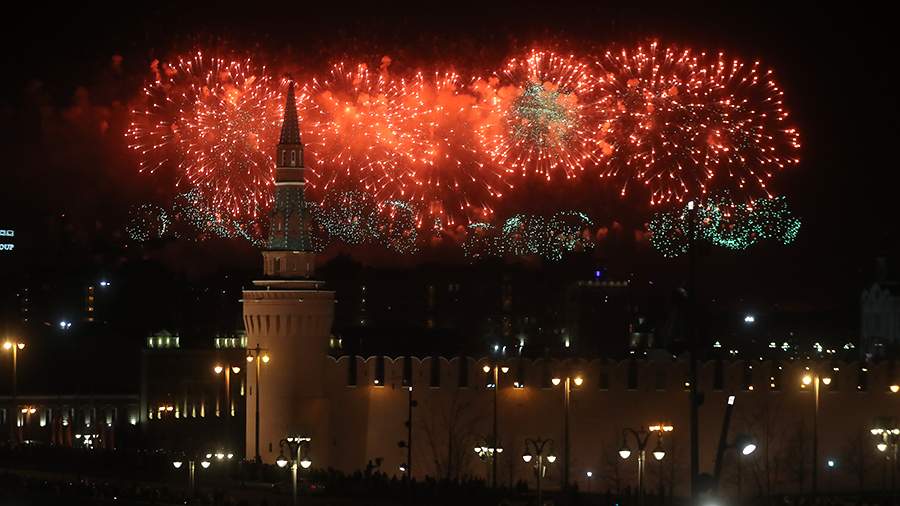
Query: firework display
point(682, 124)
point(215, 121)
point(349, 122)
point(723, 222)
point(392, 154)
point(542, 116)
point(147, 222)
point(525, 235)
point(443, 172)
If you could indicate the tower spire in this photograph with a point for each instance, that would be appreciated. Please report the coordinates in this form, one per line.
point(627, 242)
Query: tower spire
point(289, 251)
point(290, 128)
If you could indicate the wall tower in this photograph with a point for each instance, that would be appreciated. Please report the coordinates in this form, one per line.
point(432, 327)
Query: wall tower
point(289, 314)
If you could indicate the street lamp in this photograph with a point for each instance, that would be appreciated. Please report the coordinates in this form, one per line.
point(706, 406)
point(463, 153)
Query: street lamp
point(258, 355)
point(641, 437)
point(298, 454)
point(205, 462)
point(590, 479)
point(538, 450)
point(567, 383)
point(887, 436)
point(14, 347)
point(488, 450)
point(228, 370)
point(812, 377)
point(495, 437)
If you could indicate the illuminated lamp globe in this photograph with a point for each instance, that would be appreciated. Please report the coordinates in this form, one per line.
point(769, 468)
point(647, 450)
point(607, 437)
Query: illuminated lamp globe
point(578, 381)
point(249, 358)
point(881, 447)
point(807, 379)
point(305, 463)
point(265, 359)
point(486, 369)
point(551, 458)
point(20, 346)
point(527, 457)
point(895, 388)
point(218, 369)
point(177, 464)
point(7, 345)
point(235, 369)
point(281, 462)
point(556, 381)
point(826, 380)
point(204, 464)
point(658, 452)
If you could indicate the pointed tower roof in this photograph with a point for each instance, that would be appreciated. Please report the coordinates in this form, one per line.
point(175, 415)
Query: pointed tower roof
point(290, 129)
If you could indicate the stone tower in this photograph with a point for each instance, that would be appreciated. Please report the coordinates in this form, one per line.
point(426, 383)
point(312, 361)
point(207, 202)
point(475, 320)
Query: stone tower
point(289, 314)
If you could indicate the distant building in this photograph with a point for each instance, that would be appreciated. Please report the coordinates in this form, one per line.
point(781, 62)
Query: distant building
point(880, 314)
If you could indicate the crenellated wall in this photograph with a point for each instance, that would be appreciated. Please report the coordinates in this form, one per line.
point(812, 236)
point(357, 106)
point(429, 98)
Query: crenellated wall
point(367, 418)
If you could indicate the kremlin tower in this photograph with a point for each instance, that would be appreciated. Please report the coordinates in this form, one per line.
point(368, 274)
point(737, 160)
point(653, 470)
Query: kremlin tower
point(289, 314)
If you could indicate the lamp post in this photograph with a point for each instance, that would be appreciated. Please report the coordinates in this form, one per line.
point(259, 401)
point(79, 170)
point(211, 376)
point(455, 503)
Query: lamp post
point(488, 450)
point(14, 347)
point(539, 450)
point(204, 460)
point(495, 437)
point(590, 479)
point(641, 437)
point(258, 355)
point(298, 451)
point(887, 437)
point(812, 377)
point(567, 396)
point(227, 370)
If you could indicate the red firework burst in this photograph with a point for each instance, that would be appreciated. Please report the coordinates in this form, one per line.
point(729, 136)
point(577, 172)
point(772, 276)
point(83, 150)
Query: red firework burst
point(443, 171)
point(680, 123)
point(215, 121)
point(350, 131)
point(542, 119)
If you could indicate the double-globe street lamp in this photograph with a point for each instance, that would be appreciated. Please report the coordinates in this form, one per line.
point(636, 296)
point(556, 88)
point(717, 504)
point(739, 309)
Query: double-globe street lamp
point(569, 382)
point(887, 436)
point(495, 437)
point(812, 377)
point(538, 451)
point(227, 370)
point(260, 356)
point(641, 438)
point(297, 449)
point(205, 461)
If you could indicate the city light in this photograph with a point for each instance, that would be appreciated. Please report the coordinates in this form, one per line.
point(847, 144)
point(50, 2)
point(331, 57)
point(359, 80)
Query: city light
point(218, 369)
point(177, 464)
point(749, 319)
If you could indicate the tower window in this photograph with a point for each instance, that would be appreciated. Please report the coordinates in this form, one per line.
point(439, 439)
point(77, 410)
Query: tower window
point(282, 157)
point(632, 375)
point(351, 371)
point(293, 158)
point(276, 267)
point(463, 372)
point(379, 370)
point(407, 371)
point(435, 372)
point(718, 375)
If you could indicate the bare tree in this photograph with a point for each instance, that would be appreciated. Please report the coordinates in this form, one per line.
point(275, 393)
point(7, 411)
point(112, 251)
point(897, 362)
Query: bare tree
point(450, 431)
point(613, 471)
point(855, 459)
point(767, 424)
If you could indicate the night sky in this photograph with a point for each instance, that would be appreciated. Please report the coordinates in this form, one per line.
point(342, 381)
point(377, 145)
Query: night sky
point(69, 76)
